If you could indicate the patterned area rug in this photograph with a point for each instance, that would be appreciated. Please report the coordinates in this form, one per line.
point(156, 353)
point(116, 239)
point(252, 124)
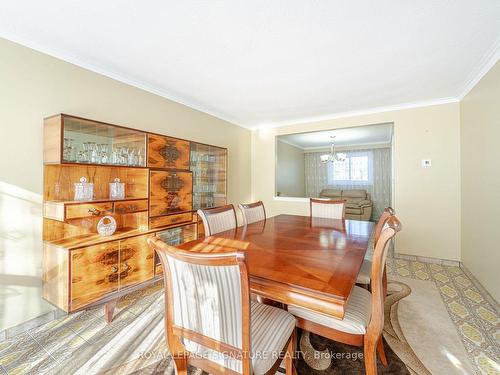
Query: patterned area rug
point(325, 357)
point(320, 356)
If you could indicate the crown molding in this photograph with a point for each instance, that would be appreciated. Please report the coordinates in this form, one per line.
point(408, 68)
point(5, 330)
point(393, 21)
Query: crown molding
point(354, 146)
point(81, 63)
point(363, 112)
point(484, 65)
point(289, 143)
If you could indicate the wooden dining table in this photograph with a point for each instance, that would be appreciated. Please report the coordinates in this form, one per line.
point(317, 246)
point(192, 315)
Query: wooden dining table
point(298, 260)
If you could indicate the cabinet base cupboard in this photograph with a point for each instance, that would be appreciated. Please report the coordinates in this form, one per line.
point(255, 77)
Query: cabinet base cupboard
point(161, 175)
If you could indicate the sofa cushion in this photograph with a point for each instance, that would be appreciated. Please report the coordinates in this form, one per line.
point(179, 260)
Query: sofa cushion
point(353, 200)
point(354, 193)
point(358, 203)
point(354, 210)
point(330, 193)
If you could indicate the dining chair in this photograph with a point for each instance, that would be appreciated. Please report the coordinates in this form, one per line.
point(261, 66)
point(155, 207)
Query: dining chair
point(364, 276)
point(327, 208)
point(252, 212)
point(363, 320)
point(210, 321)
point(220, 219)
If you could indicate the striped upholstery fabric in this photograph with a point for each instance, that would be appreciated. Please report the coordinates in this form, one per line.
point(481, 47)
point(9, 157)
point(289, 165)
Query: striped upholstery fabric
point(207, 300)
point(253, 214)
point(270, 330)
point(356, 318)
point(327, 210)
point(219, 222)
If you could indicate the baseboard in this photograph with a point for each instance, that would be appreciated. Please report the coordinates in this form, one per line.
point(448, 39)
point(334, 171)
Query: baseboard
point(30, 324)
point(491, 300)
point(443, 262)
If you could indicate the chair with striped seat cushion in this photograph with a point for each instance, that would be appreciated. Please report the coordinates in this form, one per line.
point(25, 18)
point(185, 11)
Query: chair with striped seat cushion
point(363, 320)
point(364, 276)
point(356, 318)
point(252, 212)
point(209, 314)
point(327, 208)
point(220, 219)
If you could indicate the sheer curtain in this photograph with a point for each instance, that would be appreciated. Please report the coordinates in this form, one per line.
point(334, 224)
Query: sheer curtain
point(378, 184)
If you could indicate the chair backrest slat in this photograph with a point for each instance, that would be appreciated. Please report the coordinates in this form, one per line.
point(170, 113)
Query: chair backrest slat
point(220, 219)
point(327, 208)
point(252, 212)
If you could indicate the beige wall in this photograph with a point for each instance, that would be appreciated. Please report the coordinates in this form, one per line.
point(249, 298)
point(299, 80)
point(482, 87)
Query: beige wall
point(290, 175)
point(426, 199)
point(33, 86)
point(480, 148)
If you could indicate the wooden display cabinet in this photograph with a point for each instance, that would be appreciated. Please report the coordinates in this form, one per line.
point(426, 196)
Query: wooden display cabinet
point(81, 267)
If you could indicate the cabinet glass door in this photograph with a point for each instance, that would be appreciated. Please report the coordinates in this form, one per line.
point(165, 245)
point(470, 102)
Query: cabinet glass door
point(92, 142)
point(208, 164)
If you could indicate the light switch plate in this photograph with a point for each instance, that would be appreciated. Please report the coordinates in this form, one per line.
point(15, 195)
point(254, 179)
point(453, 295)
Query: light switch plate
point(426, 163)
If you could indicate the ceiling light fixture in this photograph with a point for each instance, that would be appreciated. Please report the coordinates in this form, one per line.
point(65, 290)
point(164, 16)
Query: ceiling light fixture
point(333, 156)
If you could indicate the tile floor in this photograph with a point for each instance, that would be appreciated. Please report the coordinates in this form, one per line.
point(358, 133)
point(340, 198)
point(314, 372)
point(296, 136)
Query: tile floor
point(83, 343)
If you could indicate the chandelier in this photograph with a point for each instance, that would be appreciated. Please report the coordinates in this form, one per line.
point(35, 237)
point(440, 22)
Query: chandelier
point(333, 156)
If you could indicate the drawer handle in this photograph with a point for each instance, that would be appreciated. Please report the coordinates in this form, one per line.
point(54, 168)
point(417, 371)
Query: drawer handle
point(175, 219)
point(125, 266)
point(132, 207)
point(114, 269)
point(94, 211)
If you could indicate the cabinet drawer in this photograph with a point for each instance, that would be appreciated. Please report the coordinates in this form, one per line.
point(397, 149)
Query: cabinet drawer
point(77, 211)
point(163, 221)
point(170, 192)
point(136, 261)
point(126, 207)
point(94, 273)
point(166, 152)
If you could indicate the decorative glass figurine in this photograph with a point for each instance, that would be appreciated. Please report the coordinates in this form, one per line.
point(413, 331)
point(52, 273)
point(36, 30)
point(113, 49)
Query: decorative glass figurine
point(106, 226)
point(117, 189)
point(84, 191)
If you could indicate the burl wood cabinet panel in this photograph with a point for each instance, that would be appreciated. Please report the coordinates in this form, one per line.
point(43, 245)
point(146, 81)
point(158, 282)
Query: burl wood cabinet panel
point(55, 276)
point(94, 273)
point(166, 152)
point(136, 261)
point(170, 192)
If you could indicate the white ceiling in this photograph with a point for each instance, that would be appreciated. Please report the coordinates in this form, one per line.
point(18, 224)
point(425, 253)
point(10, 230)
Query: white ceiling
point(258, 63)
point(363, 135)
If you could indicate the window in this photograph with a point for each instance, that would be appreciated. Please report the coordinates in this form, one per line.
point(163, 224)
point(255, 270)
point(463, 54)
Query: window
point(356, 169)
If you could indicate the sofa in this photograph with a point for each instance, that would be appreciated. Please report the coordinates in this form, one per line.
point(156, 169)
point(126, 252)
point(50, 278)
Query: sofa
point(359, 206)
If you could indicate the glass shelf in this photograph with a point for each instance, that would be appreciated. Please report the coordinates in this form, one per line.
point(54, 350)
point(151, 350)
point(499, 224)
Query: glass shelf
point(90, 142)
point(208, 164)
